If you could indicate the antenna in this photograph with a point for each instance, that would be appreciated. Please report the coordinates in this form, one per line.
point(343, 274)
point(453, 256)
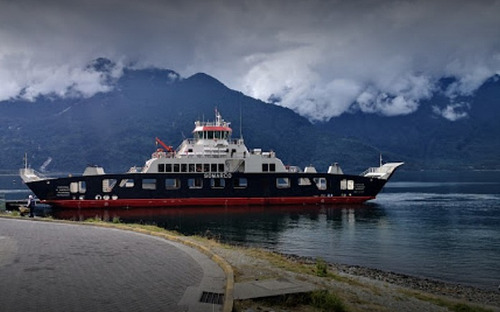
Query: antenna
point(241, 124)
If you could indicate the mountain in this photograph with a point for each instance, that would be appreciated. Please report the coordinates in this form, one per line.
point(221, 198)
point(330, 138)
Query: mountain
point(116, 129)
point(425, 139)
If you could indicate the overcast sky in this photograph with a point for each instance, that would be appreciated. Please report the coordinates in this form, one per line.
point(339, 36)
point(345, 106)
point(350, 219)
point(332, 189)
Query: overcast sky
point(319, 57)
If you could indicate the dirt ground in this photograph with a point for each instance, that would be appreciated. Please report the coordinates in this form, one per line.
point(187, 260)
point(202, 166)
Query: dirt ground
point(359, 289)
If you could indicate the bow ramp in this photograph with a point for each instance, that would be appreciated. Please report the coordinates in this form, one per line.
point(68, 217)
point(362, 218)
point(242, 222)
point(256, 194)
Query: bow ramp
point(383, 172)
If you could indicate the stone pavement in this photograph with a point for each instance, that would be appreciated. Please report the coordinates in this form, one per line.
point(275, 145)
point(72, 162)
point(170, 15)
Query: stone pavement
point(271, 287)
point(48, 266)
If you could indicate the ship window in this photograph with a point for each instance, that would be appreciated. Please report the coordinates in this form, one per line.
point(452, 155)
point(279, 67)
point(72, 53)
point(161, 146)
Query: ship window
point(320, 183)
point(78, 187)
point(272, 167)
point(213, 167)
point(168, 167)
point(176, 167)
point(350, 185)
point(195, 183)
point(149, 184)
point(221, 167)
point(172, 184)
point(128, 183)
point(265, 167)
point(161, 167)
point(73, 187)
point(108, 185)
point(217, 183)
point(282, 183)
point(240, 183)
point(304, 181)
point(210, 135)
point(206, 167)
point(191, 167)
point(183, 167)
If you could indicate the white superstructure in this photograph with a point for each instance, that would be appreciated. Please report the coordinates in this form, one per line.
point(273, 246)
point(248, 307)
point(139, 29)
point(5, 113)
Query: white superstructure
point(212, 150)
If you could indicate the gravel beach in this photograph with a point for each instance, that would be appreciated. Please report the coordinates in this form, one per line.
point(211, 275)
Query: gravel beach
point(360, 288)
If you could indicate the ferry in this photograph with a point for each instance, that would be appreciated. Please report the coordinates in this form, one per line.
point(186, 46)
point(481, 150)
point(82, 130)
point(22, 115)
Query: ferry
point(210, 169)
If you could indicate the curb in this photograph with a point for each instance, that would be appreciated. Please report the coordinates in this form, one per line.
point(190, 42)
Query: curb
point(225, 266)
point(221, 262)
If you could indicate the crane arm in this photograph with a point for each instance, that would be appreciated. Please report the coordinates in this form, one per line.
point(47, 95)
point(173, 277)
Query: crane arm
point(165, 146)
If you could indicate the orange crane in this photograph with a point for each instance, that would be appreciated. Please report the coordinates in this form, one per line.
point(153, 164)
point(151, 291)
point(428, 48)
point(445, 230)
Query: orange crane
point(168, 148)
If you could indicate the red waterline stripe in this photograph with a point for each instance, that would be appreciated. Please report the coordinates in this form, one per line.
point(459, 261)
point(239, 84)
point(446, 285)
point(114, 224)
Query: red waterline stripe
point(220, 201)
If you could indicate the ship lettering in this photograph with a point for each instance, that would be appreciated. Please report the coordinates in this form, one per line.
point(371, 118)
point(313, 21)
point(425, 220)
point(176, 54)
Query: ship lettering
point(217, 175)
point(62, 191)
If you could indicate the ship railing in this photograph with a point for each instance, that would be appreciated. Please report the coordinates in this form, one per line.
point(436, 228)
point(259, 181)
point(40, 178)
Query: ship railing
point(30, 175)
point(371, 170)
point(382, 172)
point(294, 169)
point(229, 141)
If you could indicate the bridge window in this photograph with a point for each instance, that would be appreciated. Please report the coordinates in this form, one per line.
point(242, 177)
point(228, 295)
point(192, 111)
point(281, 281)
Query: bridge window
point(168, 167)
point(265, 167)
point(191, 167)
point(213, 167)
point(221, 167)
point(183, 167)
point(161, 167)
point(176, 168)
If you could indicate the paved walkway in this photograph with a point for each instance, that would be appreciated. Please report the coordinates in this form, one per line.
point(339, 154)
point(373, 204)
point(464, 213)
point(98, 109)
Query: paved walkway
point(47, 266)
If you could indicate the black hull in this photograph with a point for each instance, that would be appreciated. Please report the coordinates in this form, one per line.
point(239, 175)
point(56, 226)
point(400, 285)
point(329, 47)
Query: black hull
point(198, 189)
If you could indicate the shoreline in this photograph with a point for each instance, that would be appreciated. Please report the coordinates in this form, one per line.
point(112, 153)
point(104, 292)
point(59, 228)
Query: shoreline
point(440, 287)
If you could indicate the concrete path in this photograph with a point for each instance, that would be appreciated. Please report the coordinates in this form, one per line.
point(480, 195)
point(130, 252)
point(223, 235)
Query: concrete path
point(47, 266)
point(271, 287)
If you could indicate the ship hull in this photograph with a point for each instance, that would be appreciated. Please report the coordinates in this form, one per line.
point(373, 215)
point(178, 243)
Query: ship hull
point(179, 190)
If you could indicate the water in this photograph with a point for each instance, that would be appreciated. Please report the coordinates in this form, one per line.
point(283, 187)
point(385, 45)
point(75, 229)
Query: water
point(440, 225)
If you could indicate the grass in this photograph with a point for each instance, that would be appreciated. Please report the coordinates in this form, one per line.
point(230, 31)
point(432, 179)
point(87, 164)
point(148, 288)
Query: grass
point(320, 300)
point(450, 305)
point(321, 268)
point(326, 301)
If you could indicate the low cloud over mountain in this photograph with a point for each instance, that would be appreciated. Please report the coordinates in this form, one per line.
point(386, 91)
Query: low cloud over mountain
point(320, 58)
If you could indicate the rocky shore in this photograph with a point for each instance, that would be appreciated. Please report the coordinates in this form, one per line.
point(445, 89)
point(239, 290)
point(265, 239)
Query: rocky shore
point(435, 287)
point(360, 288)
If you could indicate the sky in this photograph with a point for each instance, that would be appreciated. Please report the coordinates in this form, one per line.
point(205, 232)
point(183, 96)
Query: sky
point(320, 58)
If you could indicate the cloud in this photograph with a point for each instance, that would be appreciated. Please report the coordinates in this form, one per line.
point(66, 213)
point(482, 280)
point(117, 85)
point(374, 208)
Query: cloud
point(453, 112)
point(318, 57)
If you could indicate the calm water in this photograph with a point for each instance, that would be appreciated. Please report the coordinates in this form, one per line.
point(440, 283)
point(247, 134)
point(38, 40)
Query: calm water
point(440, 225)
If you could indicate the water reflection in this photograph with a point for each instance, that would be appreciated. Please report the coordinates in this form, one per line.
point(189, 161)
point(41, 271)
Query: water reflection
point(253, 225)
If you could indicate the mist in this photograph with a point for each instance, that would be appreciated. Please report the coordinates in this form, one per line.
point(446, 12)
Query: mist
point(319, 58)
